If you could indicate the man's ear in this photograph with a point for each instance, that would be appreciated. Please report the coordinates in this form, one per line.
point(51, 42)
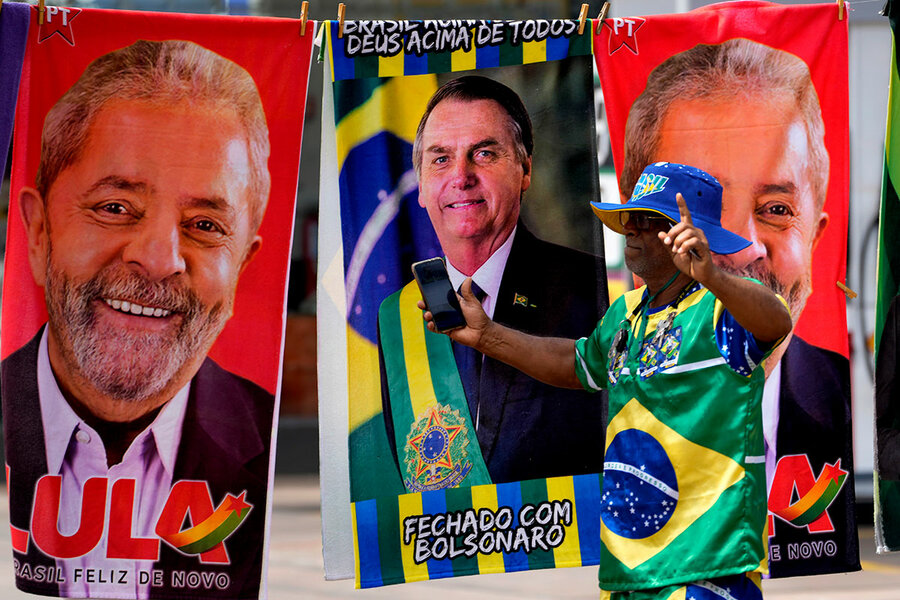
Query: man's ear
point(820, 229)
point(526, 174)
point(254, 247)
point(34, 216)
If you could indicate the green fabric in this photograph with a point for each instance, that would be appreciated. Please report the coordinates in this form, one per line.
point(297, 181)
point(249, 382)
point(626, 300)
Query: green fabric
point(373, 472)
point(696, 414)
point(458, 500)
point(439, 62)
point(351, 94)
point(510, 55)
point(365, 66)
point(389, 549)
point(889, 221)
point(889, 512)
point(534, 492)
point(451, 416)
point(735, 587)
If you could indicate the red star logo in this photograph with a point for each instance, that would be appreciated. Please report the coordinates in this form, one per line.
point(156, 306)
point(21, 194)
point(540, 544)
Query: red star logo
point(623, 32)
point(58, 19)
point(434, 420)
point(833, 472)
point(237, 504)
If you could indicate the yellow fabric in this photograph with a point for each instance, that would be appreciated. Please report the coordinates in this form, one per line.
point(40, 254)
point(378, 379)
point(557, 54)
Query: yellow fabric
point(379, 113)
point(410, 505)
point(363, 382)
point(568, 554)
point(418, 371)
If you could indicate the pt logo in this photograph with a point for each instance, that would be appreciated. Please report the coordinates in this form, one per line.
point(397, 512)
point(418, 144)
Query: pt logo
point(623, 32)
point(58, 20)
point(799, 498)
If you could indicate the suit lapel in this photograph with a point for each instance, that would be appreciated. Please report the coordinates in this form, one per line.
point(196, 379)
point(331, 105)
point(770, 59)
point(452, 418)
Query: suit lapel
point(497, 377)
point(26, 455)
point(216, 426)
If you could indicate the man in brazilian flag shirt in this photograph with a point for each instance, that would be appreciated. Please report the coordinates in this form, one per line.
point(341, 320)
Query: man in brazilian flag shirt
point(683, 504)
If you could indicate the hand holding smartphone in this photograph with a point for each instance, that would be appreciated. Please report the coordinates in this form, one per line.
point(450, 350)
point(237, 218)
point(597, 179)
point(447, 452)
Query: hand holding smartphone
point(438, 294)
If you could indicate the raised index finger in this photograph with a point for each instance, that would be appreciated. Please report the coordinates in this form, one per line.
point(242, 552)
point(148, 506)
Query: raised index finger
point(683, 210)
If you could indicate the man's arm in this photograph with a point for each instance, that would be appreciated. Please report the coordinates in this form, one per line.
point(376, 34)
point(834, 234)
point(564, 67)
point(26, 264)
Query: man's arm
point(550, 360)
point(754, 306)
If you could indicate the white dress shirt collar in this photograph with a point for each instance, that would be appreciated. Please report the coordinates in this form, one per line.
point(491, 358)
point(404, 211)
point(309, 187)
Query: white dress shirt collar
point(489, 275)
point(770, 412)
point(61, 423)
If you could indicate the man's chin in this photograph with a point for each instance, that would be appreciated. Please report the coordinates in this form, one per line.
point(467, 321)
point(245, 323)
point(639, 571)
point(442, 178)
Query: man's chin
point(131, 368)
point(129, 380)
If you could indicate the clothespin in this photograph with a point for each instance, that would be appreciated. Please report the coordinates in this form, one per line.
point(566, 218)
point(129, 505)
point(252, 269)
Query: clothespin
point(847, 291)
point(304, 15)
point(582, 16)
point(42, 8)
point(604, 10)
point(840, 4)
point(342, 9)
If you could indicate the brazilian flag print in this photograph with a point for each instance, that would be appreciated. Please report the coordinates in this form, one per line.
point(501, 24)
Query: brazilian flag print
point(642, 515)
point(381, 222)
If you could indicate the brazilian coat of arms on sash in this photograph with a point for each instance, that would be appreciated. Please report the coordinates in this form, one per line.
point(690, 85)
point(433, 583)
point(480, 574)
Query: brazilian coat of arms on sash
point(436, 456)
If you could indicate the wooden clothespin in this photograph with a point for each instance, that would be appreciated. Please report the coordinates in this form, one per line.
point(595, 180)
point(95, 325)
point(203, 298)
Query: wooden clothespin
point(342, 9)
point(304, 16)
point(847, 291)
point(604, 10)
point(42, 8)
point(582, 16)
point(840, 4)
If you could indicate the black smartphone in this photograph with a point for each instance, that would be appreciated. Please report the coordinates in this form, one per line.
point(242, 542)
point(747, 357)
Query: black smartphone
point(438, 293)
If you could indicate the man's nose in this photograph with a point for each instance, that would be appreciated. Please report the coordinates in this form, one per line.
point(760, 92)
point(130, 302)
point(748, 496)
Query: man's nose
point(464, 175)
point(155, 249)
point(630, 228)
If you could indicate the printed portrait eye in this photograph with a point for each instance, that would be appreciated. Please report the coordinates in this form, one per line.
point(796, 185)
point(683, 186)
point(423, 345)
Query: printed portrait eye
point(113, 208)
point(114, 211)
point(779, 210)
point(778, 214)
point(206, 226)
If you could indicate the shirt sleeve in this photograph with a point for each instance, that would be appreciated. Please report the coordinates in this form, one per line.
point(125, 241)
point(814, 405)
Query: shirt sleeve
point(740, 349)
point(590, 360)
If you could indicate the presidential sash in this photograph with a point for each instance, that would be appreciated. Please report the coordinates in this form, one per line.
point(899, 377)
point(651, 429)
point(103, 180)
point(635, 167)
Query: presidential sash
point(433, 430)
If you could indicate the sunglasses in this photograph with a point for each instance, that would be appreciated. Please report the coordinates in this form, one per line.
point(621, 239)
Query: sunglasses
point(644, 221)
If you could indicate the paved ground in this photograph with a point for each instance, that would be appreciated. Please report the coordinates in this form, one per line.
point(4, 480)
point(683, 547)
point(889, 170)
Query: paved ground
point(296, 572)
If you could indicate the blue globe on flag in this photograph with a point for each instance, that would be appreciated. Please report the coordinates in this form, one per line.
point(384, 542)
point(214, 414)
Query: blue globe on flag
point(640, 488)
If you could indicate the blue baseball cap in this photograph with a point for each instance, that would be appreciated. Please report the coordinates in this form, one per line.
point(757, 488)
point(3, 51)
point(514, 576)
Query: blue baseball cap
point(655, 192)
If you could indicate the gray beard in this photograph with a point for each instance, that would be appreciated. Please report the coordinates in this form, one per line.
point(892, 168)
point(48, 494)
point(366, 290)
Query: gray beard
point(795, 297)
point(128, 365)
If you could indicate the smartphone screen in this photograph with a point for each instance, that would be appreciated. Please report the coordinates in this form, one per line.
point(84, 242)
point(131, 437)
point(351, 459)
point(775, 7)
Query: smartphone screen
point(438, 293)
